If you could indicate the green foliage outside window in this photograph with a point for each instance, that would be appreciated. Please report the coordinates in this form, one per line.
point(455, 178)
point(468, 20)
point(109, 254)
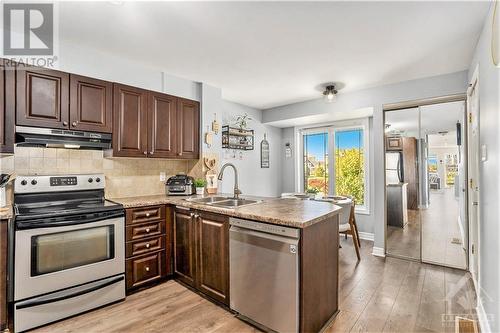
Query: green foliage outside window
point(349, 173)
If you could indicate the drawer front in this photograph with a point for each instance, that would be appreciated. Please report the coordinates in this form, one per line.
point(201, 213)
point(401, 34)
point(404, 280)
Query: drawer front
point(145, 269)
point(145, 214)
point(145, 230)
point(146, 245)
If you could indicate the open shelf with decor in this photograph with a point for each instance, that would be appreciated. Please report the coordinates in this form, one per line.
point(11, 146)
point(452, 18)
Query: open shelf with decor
point(237, 138)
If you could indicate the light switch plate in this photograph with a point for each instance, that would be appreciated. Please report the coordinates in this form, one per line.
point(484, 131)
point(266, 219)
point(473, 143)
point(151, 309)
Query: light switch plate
point(484, 153)
point(163, 176)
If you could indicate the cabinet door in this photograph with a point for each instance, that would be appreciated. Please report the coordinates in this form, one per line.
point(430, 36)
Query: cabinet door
point(184, 247)
point(42, 97)
point(7, 107)
point(129, 121)
point(91, 103)
point(188, 120)
point(213, 256)
point(162, 121)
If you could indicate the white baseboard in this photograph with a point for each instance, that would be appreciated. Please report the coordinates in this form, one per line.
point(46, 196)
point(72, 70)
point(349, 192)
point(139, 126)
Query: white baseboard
point(367, 236)
point(378, 252)
point(484, 324)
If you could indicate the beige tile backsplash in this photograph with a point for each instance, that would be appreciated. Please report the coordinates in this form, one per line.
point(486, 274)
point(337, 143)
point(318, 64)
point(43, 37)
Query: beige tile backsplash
point(125, 177)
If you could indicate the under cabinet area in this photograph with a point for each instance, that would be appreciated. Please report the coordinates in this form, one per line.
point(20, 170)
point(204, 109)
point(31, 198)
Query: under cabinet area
point(147, 245)
point(201, 252)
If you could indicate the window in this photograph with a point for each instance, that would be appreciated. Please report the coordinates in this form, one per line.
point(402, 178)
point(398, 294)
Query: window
point(334, 161)
point(316, 163)
point(349, 164)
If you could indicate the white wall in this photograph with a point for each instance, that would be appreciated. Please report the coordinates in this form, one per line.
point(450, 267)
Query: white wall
point(253, 180)
point(84, 61)
point(489, 124)
point(350, 104)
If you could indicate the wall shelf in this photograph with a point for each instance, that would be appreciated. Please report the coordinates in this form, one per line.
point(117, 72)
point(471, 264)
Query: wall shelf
point(236, 138)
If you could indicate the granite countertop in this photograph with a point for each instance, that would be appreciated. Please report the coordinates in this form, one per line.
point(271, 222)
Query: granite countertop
point(6, 212)
point(282, 211)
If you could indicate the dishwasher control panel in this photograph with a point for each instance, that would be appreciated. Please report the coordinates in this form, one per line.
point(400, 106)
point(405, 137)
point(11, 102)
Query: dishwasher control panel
point(265, 227)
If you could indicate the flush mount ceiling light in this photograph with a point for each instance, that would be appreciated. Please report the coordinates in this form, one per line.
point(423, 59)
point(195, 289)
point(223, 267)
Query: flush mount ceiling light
point(330, 93)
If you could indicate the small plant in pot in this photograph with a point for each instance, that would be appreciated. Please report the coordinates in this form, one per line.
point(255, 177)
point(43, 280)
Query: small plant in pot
point(312, 191)
point(200, 184)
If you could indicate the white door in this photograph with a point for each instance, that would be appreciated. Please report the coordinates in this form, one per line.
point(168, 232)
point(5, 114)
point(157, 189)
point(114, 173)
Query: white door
point(473, 173)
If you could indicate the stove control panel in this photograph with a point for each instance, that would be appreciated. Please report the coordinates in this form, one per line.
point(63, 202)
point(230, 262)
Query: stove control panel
point(63, 181)
point(56, 183)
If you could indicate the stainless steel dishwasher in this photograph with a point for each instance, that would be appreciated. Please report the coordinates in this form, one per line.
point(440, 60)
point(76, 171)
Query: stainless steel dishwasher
point(264, 273)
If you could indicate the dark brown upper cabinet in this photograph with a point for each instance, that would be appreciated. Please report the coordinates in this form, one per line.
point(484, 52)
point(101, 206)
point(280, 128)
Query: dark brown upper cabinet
point(152, 124)
point(162, 119)
point(91, 104)
point(130, 128)
point(42, 97)
point(7, 109)
point(188, 127)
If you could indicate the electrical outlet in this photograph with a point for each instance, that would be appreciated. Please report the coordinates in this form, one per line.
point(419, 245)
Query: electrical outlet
point(163, 176)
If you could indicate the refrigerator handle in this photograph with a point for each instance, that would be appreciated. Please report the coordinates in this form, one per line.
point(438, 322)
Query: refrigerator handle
point(400, 174)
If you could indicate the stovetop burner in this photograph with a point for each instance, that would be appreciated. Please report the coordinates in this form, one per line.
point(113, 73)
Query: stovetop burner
point(37, 197)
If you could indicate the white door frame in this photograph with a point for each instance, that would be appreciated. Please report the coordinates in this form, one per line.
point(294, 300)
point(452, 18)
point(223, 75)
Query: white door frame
point(473, 175)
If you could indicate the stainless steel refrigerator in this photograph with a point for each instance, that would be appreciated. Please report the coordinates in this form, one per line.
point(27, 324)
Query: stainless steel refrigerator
point(394, 171)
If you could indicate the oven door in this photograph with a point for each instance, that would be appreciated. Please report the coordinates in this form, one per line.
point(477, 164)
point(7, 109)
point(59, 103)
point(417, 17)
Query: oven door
point(59, 253)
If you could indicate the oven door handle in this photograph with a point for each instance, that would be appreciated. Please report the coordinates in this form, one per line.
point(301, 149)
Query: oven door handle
point(61, 296)
point(66, 221)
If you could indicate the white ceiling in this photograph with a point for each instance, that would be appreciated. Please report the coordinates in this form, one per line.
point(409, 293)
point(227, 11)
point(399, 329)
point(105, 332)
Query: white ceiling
point(265, 54)
point(434, 119)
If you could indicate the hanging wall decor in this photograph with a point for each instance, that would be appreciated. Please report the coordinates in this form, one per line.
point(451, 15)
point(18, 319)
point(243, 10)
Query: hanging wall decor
point(264, 153)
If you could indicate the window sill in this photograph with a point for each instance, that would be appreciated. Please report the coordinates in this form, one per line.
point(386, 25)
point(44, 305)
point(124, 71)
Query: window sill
point(362, 211)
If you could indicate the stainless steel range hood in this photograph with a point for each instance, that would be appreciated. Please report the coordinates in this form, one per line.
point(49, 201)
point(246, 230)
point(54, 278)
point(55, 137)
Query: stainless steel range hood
point(58, 138)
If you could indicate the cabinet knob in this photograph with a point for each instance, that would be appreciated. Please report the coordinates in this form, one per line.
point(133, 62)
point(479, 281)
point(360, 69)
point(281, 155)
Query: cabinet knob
point(147, 246)
point(65, 123)
point(147, 268)
point(74, 123)
point(179, 154)
point(151, 152)
point(145, 152)
point(191, 214)
point(147, 214)
point(196, 216)
point(147, 229)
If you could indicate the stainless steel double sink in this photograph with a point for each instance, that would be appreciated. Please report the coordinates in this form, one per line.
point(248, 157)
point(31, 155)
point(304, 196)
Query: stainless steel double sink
point(223, 202)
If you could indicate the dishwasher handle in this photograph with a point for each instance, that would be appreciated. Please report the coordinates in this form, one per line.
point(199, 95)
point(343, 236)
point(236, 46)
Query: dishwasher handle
point(282, 239)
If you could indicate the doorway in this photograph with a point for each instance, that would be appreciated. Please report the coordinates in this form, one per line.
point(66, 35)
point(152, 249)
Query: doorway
point(426, 178)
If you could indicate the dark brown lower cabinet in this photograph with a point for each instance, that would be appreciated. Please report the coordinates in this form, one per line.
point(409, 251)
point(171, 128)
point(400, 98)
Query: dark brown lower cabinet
point(201, 252)
point(148, 245)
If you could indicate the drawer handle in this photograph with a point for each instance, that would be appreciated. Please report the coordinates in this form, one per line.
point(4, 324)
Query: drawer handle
point(148, 214)
point(147, 229)
point(147, 246)
point(147, 268)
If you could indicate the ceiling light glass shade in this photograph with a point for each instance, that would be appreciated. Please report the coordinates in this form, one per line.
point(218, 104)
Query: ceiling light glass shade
point(330, 94)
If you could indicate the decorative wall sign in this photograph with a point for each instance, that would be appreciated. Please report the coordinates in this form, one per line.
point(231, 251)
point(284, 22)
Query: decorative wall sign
point(264, 153)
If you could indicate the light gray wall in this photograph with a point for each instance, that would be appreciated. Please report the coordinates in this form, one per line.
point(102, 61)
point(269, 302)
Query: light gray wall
point(253, 180)
point(375, 98)
point(489, 124)
point(287, 164)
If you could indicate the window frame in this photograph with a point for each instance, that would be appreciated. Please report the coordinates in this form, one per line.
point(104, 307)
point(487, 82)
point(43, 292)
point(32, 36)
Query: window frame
point(331, 129)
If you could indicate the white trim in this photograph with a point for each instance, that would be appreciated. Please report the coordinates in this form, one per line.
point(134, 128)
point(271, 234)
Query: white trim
point(484, 324)
point(378, 252)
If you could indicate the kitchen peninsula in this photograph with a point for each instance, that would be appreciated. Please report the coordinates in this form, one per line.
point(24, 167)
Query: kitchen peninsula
point(200, 235)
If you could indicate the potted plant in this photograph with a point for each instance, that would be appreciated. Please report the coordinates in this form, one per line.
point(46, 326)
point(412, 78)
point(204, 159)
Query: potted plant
point(312, 191)
point(200, 184)
point(242, 121)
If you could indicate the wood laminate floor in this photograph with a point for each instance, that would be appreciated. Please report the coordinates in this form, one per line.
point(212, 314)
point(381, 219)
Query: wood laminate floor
point(376, 295)
point(439, 223)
